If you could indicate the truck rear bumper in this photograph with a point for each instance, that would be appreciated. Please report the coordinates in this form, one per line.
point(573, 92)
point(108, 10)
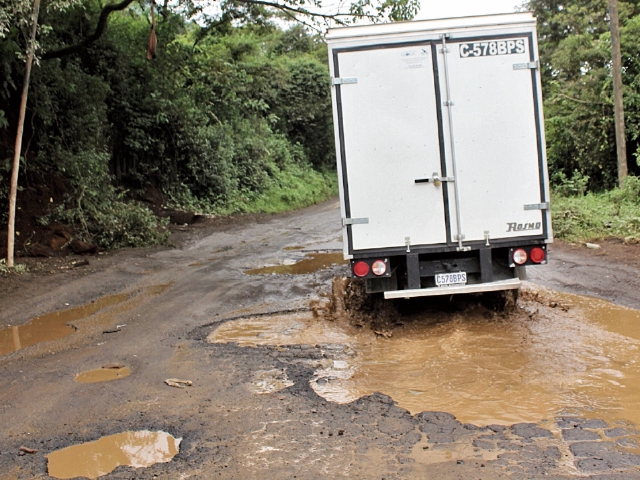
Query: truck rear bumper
point(510, 284)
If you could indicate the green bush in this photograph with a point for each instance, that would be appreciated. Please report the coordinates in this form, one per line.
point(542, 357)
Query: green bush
point(100, 213)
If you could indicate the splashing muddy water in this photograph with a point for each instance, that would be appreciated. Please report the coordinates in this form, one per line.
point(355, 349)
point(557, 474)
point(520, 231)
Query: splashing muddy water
point(482, 367)
point(309, 264)
point(94, 459)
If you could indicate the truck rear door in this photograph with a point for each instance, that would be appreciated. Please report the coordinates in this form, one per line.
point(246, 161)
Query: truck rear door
point(390, 135)
point(498, 141)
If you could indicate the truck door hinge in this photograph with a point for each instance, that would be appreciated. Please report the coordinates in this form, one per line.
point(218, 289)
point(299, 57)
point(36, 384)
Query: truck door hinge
point(343, 81)
point(354, 221)
point(526, 66)
point(537, 206)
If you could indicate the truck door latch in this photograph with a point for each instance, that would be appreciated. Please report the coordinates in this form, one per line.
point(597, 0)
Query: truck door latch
point(435, 179)
point(354, 221)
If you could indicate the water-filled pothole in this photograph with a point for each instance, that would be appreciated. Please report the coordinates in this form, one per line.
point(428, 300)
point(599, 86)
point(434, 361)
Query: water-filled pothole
point(482, 367)
point(54, 326)
point(311, 263)
point(104, 374)
point(94, 459)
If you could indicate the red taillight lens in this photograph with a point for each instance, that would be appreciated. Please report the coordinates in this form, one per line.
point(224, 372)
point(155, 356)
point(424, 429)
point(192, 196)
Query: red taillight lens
point(537, 255)
point(360, 269)
point(519, 257)
point(379, 267)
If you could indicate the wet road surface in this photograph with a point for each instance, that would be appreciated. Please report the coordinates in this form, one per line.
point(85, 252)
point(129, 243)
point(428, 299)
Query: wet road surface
point(281, 389)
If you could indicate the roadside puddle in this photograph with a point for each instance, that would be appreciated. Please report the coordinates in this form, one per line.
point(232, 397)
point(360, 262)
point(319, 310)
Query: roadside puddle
point(104, 374)
point(481, 367)
point(311, 263)
point(94, 459)
point(54, 326)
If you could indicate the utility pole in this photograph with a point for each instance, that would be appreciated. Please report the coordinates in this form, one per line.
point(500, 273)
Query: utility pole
point(618, 107)
point(13, 191)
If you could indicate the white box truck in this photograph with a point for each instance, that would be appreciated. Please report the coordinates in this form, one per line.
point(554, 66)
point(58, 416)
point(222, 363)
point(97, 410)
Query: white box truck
point(441, 153)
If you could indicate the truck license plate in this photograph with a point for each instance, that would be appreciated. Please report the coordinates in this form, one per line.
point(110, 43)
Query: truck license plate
point(444, 279)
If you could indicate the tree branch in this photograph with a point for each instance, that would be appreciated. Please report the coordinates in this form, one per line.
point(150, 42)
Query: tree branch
point(303, 11)
point(586, 102)
point(100, 28)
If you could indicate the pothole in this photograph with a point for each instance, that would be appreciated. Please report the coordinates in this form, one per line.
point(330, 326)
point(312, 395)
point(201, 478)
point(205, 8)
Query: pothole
point(311, 263)
point(270, 381)
point(104, 374)
point(551, 353)
point(93, 459)
point(54, 326)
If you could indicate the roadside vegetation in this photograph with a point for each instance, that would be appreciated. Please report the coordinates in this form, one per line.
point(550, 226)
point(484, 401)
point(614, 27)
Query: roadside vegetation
point(591, 216)
point(229, 118)
point(234, 115)
point(575, 52)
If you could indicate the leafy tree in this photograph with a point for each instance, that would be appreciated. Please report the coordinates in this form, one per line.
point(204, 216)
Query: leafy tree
point(575, 51)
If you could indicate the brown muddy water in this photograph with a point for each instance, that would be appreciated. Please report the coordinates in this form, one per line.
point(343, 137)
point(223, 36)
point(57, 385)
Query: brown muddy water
point(54, 326)
point(310, 263)
point(94, 459)
point(104, 374)
point(582, 356)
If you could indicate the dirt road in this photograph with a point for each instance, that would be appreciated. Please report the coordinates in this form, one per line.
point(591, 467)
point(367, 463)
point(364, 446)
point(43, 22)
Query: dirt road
point(445, 390)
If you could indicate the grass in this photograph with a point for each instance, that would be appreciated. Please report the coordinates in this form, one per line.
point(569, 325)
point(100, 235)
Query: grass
point(17, 268)
point(596, 216)
point(296, 186)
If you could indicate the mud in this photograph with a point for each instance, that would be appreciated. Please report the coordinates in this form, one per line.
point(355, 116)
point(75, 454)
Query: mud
point(261, 410)
point(311, 263)
point(94, 459)
point(556, 353)
point(103, 374)
point(52, 326)
point(58, 325)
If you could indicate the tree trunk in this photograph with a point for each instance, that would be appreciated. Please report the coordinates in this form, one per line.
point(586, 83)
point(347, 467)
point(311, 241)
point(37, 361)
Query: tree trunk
point(618, 107)
point(11, 225)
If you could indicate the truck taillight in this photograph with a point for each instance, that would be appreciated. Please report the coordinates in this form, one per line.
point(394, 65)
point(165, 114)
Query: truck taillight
point(519, 257)
point(379, 267)
point(537, 255)
point(361, 269)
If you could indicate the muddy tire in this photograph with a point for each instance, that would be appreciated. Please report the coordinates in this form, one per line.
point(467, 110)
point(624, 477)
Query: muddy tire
point(503, 301)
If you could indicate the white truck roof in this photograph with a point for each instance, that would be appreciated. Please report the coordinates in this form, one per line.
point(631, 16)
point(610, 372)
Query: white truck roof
point(435, 26)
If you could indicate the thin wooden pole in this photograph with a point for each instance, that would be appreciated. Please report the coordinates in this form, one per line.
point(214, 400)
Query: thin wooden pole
point(11, 226)
point(618, 106)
